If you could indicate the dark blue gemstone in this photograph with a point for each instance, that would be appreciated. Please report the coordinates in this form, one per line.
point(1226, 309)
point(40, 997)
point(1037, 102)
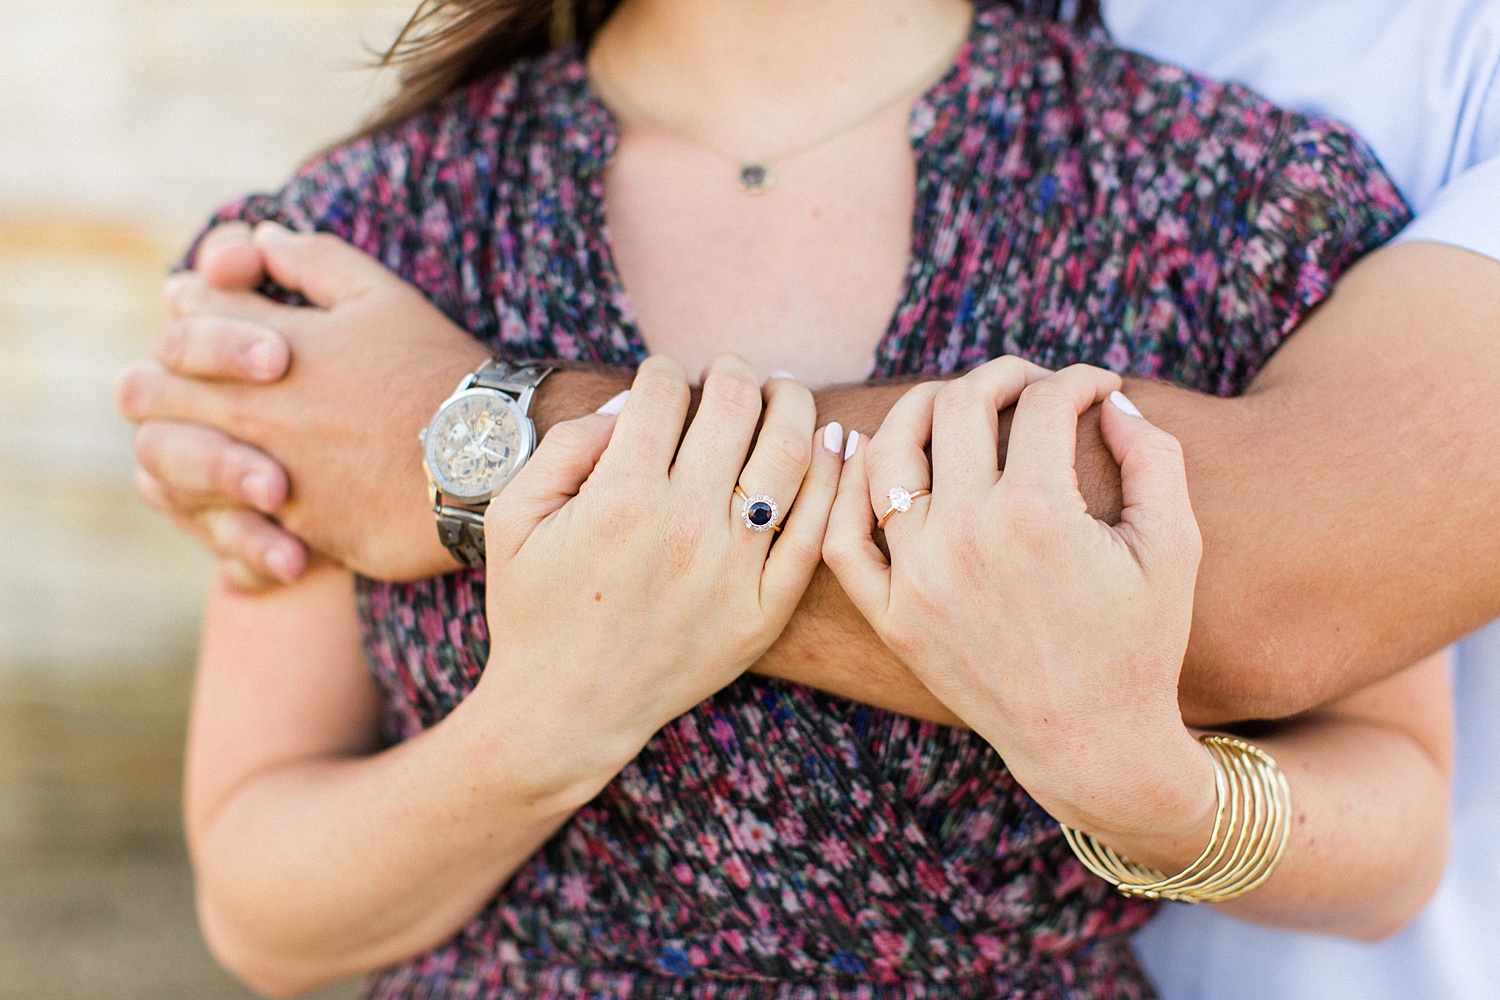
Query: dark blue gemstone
point(754, 176)
point(759, 513)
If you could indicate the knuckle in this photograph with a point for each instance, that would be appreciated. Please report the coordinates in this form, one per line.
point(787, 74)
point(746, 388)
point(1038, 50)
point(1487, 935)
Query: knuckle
point(619, 512)
point(1163, 446)
point(734, 391)
point(659, 381)
point(1031, 518)
point(678, 539)
point(148, 445)
point(133, 392)
point(171, 346)
point(954, 396)
point(803, 551)
point(150, 491)
point(838, 549)
point(242, 418)
point(660, 369)
point(570, 436)
point(1049, 392)
point(226, 468)
point(786, 457)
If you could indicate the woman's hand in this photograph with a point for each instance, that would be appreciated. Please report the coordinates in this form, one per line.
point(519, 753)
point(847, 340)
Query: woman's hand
point(623, 586)
point(1056, 637)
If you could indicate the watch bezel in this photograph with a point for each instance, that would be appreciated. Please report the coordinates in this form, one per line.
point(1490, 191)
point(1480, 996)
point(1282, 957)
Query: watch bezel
point(527, 435)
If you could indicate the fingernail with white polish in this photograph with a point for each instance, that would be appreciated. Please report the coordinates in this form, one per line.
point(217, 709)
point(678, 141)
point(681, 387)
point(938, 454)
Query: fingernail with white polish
point(615, 405)
point(833, 437)
point(777, 375)
point(1123, 404)
point(261, 359)
point(851, 444)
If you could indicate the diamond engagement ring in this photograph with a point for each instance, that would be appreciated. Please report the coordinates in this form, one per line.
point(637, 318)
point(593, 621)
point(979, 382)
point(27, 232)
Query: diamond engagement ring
point(759, 512)
point(900, 499)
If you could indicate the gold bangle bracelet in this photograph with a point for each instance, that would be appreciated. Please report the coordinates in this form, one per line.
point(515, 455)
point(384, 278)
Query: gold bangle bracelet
point(1252, 825)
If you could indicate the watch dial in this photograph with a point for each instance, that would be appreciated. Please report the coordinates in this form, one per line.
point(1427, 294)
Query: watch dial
point(475, 444)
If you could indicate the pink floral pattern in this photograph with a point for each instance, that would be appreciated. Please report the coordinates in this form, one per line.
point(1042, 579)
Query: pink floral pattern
point(1076, 202)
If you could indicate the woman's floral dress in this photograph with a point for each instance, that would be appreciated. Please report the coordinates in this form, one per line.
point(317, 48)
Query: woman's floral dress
point(1075, 202)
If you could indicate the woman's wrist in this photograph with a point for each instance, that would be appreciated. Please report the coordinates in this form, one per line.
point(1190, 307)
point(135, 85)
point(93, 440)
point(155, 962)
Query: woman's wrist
point(1150, 794)
point(537, 751)
point(1160, 808)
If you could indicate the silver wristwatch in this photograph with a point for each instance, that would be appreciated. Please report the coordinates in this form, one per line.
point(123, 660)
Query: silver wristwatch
point(476, 443)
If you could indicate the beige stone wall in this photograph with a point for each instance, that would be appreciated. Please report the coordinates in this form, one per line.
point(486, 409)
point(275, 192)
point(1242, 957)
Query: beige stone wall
point(122, 123)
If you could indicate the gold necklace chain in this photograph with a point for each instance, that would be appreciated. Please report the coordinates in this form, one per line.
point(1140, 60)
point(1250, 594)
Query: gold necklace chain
point(755, 176)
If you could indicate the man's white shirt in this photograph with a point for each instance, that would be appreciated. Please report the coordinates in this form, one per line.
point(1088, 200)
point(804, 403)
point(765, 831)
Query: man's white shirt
point(1420, 80)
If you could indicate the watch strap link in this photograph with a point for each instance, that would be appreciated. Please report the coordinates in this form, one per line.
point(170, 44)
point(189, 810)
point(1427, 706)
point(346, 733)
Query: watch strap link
point(519, 381)
point(462, 533)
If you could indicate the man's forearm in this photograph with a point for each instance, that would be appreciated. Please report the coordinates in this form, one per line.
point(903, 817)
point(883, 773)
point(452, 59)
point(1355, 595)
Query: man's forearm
point(1347, 501)
point(828, 644)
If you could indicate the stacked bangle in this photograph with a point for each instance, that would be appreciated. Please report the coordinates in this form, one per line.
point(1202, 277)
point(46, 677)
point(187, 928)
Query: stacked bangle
point(1251, 828)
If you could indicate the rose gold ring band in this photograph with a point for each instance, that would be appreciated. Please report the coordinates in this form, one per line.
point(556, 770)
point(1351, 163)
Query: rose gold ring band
point(900, 499)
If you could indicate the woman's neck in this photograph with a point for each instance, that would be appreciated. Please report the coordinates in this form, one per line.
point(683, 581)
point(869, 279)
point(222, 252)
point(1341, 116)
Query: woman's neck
point(762, 75)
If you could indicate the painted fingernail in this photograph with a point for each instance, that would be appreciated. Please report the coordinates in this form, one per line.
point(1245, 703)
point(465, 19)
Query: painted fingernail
point(279, 562)
point(260, 359)
point(777, 375)
point(850, 445)
point(256, 488)
point(615, 405)
point(1123, 404)
point(833, 437)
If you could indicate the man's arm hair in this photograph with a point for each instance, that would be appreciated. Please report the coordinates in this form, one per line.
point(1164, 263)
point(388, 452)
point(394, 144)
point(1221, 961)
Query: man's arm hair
point(1347, 500)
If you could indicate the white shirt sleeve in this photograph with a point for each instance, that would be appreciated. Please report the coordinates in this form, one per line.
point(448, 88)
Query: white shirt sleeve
point(1420, 81)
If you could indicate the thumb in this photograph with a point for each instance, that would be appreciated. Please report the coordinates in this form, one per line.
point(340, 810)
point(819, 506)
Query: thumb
point(325, 269)
point(1157, 521)
point(229, 260)
point(549, 479)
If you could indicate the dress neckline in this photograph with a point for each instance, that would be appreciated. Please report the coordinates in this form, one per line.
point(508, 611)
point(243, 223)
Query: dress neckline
point(591, 135)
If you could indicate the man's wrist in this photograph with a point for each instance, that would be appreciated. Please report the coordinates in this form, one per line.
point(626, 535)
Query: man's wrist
point(574, 390)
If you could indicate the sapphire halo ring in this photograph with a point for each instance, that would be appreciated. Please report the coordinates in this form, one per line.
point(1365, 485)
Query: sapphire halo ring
point(759, 512)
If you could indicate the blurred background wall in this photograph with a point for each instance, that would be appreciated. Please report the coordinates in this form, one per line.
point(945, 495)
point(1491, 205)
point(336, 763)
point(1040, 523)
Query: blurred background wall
point(122, 124)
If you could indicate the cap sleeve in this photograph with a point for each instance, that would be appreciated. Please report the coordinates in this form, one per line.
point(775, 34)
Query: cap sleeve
point(1322, 203)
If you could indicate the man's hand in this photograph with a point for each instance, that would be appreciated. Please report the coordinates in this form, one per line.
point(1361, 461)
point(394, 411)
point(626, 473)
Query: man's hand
point(373, 359)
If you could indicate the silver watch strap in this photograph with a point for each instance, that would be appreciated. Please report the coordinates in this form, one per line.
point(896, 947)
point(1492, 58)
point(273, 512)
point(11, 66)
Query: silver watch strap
point(461, 529)
point(519, 381)
point(462, 532)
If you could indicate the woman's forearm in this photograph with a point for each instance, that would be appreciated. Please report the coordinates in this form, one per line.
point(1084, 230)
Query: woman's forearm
point(318, 871)
point(1369, 780)
point(1370, 829)
point(318, 859)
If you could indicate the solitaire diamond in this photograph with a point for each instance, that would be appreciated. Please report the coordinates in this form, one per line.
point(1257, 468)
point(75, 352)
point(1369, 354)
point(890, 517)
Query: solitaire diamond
point(900, 499)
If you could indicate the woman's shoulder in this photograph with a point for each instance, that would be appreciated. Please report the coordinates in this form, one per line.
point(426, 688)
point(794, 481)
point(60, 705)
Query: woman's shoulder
point(471, 138)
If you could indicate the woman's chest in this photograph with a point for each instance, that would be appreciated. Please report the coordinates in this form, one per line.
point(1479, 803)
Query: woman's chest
point(802, 277)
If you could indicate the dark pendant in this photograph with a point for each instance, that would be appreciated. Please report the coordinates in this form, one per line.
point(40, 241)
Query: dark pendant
point(755, 178)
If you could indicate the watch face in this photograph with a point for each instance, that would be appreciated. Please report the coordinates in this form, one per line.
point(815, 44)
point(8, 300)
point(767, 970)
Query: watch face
point(475, 444)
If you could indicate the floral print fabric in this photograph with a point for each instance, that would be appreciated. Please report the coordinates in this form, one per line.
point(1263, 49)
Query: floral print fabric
point(1075, 202)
